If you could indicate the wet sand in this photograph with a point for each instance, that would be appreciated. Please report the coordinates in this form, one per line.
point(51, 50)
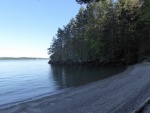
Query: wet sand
point(121, 93)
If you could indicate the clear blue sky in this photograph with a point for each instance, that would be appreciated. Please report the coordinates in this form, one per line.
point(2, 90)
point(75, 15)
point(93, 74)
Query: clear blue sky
point(27, 26)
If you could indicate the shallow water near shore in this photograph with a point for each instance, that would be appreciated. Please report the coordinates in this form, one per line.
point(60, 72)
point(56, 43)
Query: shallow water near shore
point(22, 80)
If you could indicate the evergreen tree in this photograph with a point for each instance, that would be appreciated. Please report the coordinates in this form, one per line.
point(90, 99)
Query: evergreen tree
point(103, 33)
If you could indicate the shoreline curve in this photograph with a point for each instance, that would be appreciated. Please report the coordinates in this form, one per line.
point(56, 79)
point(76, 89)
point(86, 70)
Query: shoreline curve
point(121, 93)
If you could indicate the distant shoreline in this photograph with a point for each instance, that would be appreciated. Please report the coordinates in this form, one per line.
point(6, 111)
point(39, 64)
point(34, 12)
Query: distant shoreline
point(22, 58)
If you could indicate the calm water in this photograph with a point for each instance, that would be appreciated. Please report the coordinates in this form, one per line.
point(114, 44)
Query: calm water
point(22, 80)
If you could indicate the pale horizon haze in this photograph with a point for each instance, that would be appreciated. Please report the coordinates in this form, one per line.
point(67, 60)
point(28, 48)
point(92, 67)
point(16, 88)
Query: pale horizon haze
point(28, 26)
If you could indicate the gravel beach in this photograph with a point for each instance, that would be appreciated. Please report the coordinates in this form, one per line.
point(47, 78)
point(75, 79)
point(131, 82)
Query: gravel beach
point(121, 93)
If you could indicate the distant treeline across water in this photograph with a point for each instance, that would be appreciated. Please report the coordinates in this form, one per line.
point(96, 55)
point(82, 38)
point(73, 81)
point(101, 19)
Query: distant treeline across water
point(20, 58)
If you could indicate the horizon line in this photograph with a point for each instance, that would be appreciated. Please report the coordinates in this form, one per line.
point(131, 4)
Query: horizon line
point(25, 57)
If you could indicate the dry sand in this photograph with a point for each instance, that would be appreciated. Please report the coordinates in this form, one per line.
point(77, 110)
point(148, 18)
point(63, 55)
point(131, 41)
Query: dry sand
point(122, 93)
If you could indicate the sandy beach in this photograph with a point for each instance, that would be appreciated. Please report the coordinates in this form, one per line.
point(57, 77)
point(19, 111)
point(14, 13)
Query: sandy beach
point(122, 93)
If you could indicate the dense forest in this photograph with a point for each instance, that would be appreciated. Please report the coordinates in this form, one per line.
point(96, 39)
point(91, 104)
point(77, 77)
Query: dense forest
point(105, 33)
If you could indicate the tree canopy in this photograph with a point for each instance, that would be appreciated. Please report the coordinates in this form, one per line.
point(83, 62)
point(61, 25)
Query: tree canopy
point(87, 1)
point(105, 33)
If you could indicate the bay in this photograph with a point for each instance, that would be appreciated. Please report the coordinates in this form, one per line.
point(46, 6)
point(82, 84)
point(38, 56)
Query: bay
point(22, 80)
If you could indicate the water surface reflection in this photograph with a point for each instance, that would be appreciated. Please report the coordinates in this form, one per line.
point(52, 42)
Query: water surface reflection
point(73, 76)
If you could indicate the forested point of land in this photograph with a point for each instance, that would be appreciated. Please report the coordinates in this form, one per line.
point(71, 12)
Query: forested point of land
point(105, 33)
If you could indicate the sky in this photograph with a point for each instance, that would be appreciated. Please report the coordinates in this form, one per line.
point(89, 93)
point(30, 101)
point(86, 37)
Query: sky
point(28, 26)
